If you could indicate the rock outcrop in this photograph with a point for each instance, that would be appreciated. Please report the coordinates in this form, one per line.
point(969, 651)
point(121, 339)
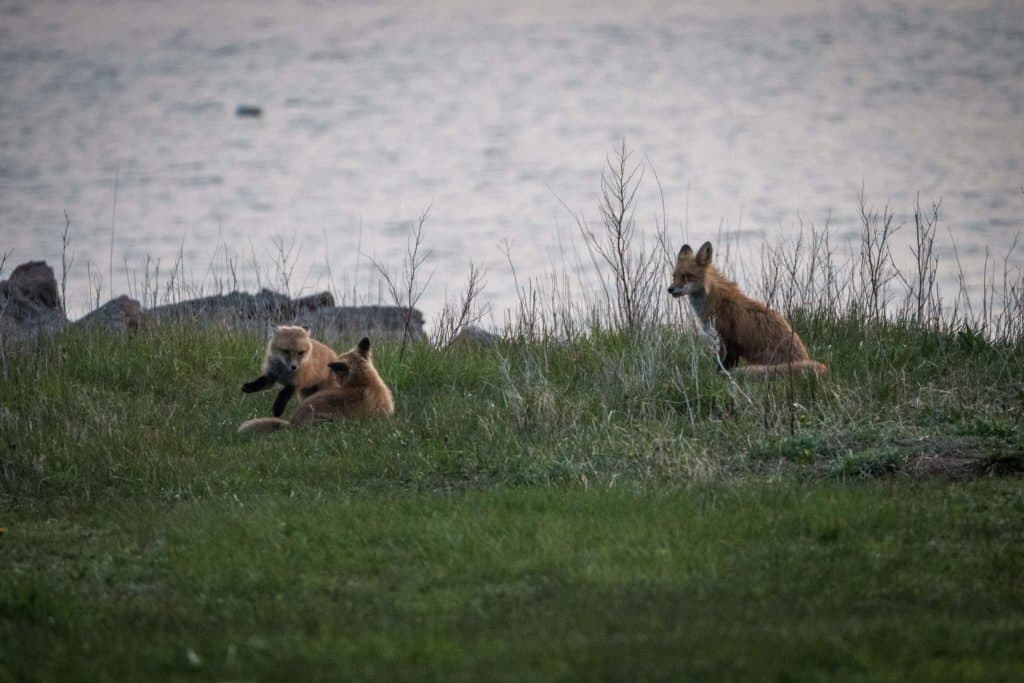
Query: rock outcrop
point(335, 323)
point(236, 309)
point(30, 306)
point(328, 322)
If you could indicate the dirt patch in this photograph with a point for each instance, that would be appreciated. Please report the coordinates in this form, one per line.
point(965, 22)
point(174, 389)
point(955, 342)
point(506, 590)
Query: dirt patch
point(957, 458)
point(965, 458)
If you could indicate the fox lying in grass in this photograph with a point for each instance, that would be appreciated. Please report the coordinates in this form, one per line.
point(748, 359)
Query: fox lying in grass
point(361, 393)
point(297, 361)
point(747, 329)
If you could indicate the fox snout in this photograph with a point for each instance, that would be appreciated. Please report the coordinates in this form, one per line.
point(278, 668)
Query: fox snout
point(280, 367)
point(686, 289)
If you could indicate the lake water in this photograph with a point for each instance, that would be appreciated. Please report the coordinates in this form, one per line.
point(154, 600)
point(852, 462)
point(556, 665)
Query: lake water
point(754, 115)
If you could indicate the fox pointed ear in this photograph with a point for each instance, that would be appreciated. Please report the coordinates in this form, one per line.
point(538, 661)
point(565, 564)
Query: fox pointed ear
point(685, 250)
point(364, 347)
point(306, 328)
point(339, 367)
point(704, 254)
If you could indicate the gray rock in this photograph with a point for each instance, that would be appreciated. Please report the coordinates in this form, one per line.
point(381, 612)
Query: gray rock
point(237, 309)
point(122, 313)
point(348, 323)
point(475, 336)
point(33, 282)
point(329, 323)
point(313, 302)
point(29, 302)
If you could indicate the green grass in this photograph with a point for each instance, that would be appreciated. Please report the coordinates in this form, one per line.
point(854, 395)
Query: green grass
point(607, 507)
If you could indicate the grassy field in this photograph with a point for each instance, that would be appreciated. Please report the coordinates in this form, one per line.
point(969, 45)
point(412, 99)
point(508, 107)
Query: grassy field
point(602, 507)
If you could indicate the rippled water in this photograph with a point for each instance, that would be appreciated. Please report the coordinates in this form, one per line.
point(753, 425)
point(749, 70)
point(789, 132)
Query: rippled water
point(753, 115)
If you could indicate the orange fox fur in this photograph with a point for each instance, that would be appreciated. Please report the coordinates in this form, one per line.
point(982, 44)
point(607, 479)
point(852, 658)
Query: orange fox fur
point(747, 329)
point(297, 361)
point(361, 394)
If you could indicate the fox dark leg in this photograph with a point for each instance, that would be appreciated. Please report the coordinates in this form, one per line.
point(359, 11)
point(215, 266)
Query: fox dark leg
point(282, 399)
point(258, 384)
point(729, 356)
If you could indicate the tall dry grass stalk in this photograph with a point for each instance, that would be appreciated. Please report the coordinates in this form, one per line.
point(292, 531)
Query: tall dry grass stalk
point(284, 262)
point(3, 263)
point(455, 317)
point(406, 287)
point(616, 248)
point(801, 272)
point(3, 310)
point(66, 261)
point(876, 268)
point(113, 224)
point(922, 293)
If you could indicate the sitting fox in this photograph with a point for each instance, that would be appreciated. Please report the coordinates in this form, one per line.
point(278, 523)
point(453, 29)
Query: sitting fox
point(297, 361)
point(748, 329)
point(362, 393)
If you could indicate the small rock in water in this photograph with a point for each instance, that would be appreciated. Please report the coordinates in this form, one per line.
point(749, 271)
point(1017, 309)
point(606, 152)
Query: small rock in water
point(249, 111)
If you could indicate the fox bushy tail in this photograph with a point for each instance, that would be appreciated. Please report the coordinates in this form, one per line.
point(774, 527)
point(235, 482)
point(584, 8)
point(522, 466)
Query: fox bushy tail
point(800, 367)
point(263, 425)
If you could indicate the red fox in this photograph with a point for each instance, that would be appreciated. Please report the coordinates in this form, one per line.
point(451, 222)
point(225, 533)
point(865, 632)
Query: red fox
point(362, 393)
point(297, 361)
point(747, 328)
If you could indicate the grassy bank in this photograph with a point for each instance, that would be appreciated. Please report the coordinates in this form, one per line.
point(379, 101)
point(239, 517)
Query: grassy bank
point(607, 506)
point(587, 499)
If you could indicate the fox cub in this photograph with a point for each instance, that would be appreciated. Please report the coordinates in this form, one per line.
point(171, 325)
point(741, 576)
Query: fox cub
point(297, 361)
point(361, 393)
point(748, 329)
